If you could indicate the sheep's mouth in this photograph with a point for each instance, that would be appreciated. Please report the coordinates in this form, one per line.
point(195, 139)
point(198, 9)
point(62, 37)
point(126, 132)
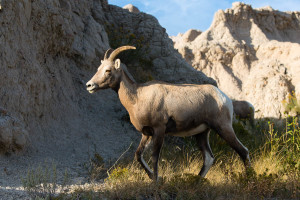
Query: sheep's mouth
point(93, 90)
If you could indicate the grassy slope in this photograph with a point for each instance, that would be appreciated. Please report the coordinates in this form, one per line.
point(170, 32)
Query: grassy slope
point(275, 160)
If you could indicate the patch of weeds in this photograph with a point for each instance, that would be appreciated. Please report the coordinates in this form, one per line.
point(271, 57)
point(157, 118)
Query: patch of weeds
point(187, 180)
point(82, 194)
point(42, 182)
point(96, 167)
point(186, 186)
point(274, 174)
point(240, 128)
point(264, 185)
point(292, 104)
point(117, 173)
point(286, 144)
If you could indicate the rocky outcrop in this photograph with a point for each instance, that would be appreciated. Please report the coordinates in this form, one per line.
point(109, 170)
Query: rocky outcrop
point(13, 135)
point(188, 36)
point(155, 57)
point(251, 53)
point(131, 8)
point(49, 49)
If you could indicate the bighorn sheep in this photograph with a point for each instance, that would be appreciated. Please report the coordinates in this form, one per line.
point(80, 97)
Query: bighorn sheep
point(243, 110)
point(157, 108)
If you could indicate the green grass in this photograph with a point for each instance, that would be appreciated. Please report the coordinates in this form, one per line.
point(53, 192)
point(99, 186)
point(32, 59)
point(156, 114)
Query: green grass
point(292, 104)
point(41, 182)
point(275, 160)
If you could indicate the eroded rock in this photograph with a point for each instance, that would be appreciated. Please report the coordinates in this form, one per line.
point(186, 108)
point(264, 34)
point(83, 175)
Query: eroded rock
point(131, 8)
point(13, 135)
point(49, 49)
point(251, 53)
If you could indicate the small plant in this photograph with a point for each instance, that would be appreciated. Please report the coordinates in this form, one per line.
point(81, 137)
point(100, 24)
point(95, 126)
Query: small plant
point(118, 173)
point(292, 104)
point(42, 182)
point(286, 144)
point(95, 167)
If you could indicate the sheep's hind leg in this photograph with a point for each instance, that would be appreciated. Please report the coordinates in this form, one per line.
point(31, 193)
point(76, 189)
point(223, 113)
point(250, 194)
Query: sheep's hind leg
point(139, 154)
point(227, 133)
point(208, 157)
point(157, 139)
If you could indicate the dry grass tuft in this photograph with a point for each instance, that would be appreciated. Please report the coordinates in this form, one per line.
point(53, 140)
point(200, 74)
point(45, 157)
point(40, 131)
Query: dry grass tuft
point(275, 174)
point(224, 181)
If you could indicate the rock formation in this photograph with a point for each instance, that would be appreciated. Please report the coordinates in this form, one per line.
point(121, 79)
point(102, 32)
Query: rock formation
point(253, 54)
point(49, 49)
point(13, 135)
point(188, 36)
point(131, 8)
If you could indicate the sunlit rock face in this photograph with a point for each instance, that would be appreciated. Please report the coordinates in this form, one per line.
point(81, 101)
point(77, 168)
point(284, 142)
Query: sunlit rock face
point(131, 8)
point(253, 54)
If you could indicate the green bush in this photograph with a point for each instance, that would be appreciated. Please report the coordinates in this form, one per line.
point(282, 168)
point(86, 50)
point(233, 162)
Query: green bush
point(117, 174)
point(292, 104)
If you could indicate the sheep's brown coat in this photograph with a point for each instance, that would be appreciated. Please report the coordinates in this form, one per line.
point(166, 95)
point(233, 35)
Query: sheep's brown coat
point(157, 108)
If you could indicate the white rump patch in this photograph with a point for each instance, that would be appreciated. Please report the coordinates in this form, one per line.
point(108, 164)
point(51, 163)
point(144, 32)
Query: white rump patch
point(227, 101)
point(194, 131)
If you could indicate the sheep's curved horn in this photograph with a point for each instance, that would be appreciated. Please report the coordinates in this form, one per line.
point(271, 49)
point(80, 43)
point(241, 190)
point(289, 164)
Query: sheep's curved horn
point(107, 53)
point(114, 54)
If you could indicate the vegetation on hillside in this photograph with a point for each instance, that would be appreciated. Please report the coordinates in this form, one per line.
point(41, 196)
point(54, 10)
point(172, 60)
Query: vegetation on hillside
point(292, 104)
point(275, 154)
point(275, 161)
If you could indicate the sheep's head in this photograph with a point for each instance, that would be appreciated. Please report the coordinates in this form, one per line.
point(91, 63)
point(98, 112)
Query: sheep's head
point(109, 72)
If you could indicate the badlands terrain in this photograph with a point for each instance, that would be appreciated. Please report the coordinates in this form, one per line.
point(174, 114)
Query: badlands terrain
point(50, 48)
point(253, 54)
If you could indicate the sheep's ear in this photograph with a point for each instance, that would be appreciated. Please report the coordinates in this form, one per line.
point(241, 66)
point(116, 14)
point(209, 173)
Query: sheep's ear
point(101, 61)
point(117, 64)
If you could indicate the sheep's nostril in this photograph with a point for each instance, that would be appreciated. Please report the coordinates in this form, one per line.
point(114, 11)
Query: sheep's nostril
point(91, 87)
point(89, 84)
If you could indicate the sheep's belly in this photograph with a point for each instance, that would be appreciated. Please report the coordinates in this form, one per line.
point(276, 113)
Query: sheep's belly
point(194, 131)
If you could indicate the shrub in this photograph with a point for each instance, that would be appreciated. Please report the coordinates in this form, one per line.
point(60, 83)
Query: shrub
point(292, 104)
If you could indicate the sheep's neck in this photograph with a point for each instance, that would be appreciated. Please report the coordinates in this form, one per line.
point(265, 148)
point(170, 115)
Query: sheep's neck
point(127, 91)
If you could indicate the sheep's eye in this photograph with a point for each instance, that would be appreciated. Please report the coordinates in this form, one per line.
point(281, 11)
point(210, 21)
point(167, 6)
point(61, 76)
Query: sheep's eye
point(108, 71)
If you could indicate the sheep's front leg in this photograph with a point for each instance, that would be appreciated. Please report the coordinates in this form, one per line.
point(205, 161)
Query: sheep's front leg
point(139, 154)
point(157, 139)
